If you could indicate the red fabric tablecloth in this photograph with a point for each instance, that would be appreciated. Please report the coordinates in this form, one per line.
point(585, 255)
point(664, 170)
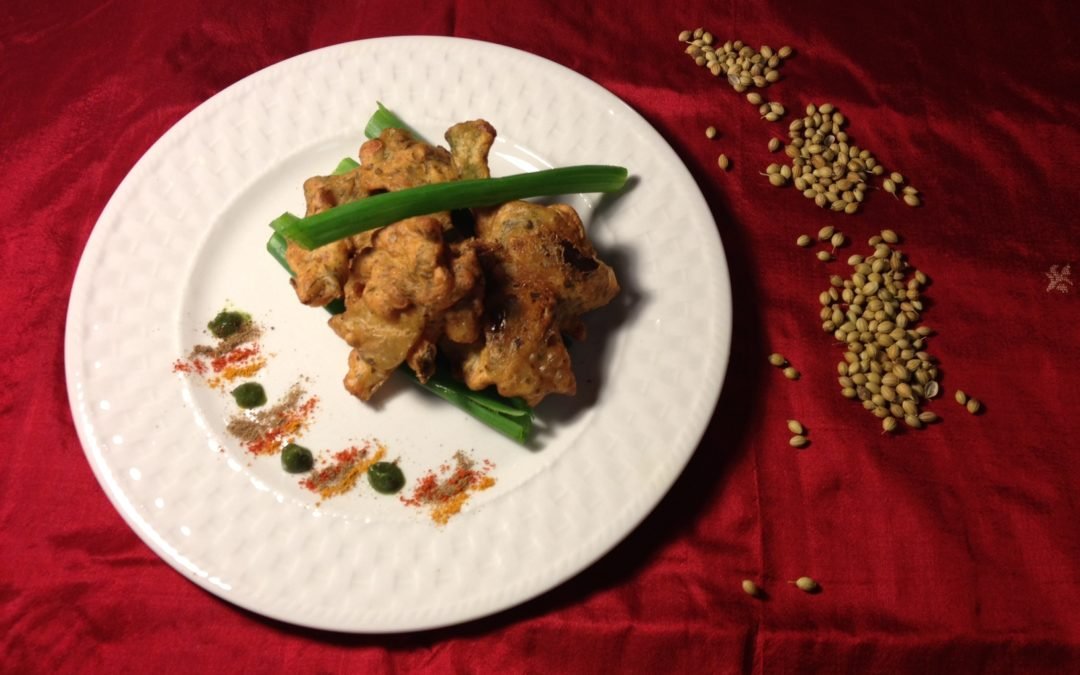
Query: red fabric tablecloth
point(954, 549)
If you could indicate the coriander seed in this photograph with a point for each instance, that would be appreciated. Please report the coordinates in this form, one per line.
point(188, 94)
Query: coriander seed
point(804, 240)
point(750, 588)
point(798, 441)
point(710, 132)
point(790, 373)
point(795, 427)
point(807, 585)
point(723, 162)
point(777, 360)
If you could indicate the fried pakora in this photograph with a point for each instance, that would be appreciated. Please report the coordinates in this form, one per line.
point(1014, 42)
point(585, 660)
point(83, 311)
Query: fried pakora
point(495, 306)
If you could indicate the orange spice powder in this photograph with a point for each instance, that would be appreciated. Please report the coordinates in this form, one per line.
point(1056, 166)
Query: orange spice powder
point(348, 467)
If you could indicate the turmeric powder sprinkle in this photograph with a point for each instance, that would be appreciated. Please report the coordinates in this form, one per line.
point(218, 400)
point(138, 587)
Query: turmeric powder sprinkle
point(235, 356)
point(267, 431)
point(447, 490)
point(345, 470)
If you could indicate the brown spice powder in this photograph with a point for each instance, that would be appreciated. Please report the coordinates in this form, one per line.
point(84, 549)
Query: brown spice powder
point(264, 432)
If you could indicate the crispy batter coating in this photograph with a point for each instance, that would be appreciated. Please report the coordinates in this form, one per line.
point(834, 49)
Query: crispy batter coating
point(469, 146)
point(321, 273)
point(399, 291)
point(542, 274)
point(394, 161)
point(497, 305)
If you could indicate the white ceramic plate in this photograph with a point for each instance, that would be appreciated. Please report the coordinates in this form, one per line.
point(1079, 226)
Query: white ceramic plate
point(184, 235)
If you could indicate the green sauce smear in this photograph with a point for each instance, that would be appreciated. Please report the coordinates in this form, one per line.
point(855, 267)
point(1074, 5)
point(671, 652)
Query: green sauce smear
point(249, 395)
point(386, 477)
point(296, 458)
point(226, 323)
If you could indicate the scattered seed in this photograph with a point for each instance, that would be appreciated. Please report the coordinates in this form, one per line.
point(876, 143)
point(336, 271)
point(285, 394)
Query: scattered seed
point(973, 406)
point(784, 52)
point(912, 200)
point(824, 256)
point(961, 397)
point(774, 144)
point(888, 236)
point(896, 177)
point(723, 162)
point(777, 360)
point(888, 424)
point(795, 427)
point(790, 373)
point(804, 240)
point(927, 417)
point(837, 240)
point(754, 98)
point(798, 441)
point(807, 585)
point(684, 36)
point(826, 232)
point(750, 588)
point(710, 132)
point(931, 390)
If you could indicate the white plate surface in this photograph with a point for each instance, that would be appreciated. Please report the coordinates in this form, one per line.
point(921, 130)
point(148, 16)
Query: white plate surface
point(184, 235)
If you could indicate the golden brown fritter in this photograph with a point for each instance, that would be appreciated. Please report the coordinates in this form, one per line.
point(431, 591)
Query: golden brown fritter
point(469, 146)
point(321, 273)
point(393, 161)
point(396, 298)
point(542, 274)
point(498, 305)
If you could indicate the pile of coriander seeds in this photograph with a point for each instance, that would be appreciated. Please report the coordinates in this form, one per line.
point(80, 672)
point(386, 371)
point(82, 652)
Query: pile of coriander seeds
point(743, 66)
point(874, 314)
point(825, 167)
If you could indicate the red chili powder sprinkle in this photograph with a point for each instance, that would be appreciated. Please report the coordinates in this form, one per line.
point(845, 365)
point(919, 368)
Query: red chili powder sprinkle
point(345, 470)
point(228, 358)
point(447, 494)
point(289, 425)
point(182, 366)
point(235, 356)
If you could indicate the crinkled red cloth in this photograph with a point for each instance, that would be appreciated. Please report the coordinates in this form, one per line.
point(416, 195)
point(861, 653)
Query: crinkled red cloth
point(954, 549)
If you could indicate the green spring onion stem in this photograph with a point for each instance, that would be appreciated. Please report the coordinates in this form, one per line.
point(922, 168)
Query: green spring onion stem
point(389, 207)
